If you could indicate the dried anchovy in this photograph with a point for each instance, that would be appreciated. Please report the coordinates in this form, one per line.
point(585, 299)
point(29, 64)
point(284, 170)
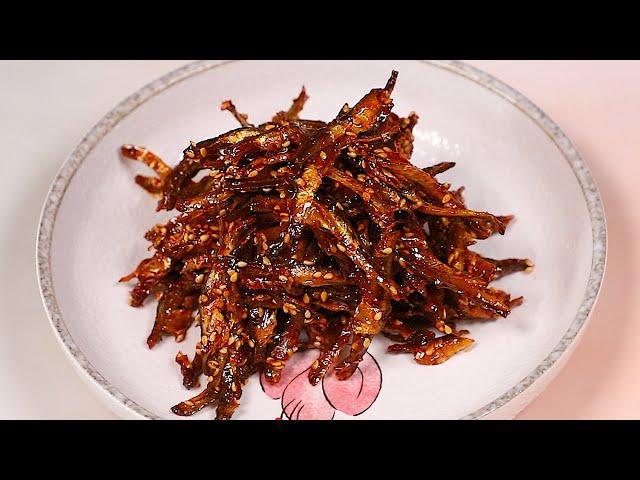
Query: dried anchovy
point(312, 235)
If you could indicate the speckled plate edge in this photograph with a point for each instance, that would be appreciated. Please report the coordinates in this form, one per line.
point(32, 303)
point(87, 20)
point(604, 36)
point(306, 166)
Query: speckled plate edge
point(111, 119)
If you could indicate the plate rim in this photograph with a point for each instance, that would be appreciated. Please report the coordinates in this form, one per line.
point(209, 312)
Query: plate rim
point(65, 175)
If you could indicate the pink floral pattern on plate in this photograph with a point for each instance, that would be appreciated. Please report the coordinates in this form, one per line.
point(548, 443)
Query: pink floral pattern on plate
point(302, 401)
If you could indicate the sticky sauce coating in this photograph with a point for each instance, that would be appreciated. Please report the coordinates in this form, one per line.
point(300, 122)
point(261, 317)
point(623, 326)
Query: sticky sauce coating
point(312, 235)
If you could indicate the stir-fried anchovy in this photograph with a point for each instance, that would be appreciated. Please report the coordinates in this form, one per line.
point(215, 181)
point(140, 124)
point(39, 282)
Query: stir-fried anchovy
point(303, 234)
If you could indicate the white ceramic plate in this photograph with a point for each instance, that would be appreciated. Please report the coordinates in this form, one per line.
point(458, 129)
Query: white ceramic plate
point(510, 155)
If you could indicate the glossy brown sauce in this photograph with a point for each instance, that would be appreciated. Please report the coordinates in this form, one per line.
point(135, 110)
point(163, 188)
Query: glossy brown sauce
point(312, 235)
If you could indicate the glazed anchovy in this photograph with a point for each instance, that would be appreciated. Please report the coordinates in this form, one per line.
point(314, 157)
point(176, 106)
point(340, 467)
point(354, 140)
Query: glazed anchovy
point(304, 234)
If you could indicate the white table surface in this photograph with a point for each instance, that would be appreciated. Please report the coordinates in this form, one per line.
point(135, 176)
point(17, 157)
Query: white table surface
point(46, 108)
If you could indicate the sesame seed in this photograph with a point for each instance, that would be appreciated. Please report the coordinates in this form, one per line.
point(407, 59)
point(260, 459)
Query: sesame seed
point(204, 340)
point(341, 247)
point(287, 237)
point(328, 276)
point(324, 296)
point(234, 387)
point(393, 290)
point(387, 250)
point(286, 144)
point(307, 314)
point(234, 277)
point(190, 154)
point(283, 278)
point(204, 238)
point(308, 262)
point(222, 212)
point(242, 264)
point(402, 262)
point(292, 308)
point(214, 172)
point(446, 198)
point(251, 343)
point(315, 364)
point(352, 154)
point(447, 329)
point(378, 316)
point(200, 278)
point(266, 260)
point(203, 298)
point(203, 152)
point(366, 343)
point(253, 173)
point(317, 274)
point(323, 155)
